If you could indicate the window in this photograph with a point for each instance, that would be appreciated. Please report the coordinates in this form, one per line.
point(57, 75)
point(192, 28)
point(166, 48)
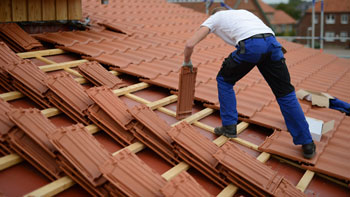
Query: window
point(343, 36)
point(329, 36)
point(330, 19)
point(316, 19)
point(344, 19)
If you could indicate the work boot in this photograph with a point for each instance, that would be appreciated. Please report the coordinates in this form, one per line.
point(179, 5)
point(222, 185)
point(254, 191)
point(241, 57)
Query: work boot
point(229, 131)
point(309, 150)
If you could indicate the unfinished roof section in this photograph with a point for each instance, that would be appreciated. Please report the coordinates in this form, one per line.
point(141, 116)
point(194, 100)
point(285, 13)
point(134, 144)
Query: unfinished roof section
point(82, 151)
point(183, 185)
point(30, 80)
point(17, 37)
point(247, 172)
point(68, 96)
point(131, 176)
point(196, 150)
point(186, 87)
point(99, 76)
point(152, 131)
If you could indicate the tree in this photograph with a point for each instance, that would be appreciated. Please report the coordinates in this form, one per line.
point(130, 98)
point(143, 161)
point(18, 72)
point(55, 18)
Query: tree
point(290, 8)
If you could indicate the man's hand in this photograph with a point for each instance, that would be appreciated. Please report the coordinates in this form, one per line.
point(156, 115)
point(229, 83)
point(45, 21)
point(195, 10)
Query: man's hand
point(188, 64)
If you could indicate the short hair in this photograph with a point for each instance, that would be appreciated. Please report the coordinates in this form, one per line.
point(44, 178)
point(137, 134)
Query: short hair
point(217, 9)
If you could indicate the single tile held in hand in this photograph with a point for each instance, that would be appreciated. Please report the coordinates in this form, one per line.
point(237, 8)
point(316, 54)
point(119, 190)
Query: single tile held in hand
point(152, 131)
point(132, 176)
point(111, 104)
point(184, 185)
point(255, 177)
point(99, 76)
point(82, 150)
point(281, 143)
point(35, 125)
point(187, 82)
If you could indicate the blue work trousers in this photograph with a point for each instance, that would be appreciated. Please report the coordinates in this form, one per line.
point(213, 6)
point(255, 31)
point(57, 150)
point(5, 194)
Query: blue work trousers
point(267, 54)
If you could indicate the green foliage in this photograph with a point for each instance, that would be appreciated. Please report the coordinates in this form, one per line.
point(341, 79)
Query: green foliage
point(290, 8)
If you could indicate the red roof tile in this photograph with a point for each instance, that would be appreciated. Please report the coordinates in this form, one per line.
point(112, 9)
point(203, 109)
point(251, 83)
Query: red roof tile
point(68, 96)
point(281, 18)
point(131, 176)
point(334, 158)
point(152, 131)
point(5, 123)
point(186, 87)
point(30, 150)
point(183, 185)
point(99, 76)
point(196, 150)
point(30, 80)
point(281, 143)
point(35, 125)
point(18, 38)
point(82, 150)
point(111, 104)
point(332, 6)
point(99, 117)
point(250, 174)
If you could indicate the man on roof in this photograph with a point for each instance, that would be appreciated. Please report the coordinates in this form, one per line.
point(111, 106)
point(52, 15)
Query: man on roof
point(255, 45)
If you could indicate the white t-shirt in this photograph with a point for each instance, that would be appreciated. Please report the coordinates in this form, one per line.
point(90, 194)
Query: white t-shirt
point(235, 25)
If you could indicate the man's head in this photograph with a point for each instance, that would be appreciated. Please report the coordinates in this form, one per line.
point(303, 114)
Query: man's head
point(217, 9)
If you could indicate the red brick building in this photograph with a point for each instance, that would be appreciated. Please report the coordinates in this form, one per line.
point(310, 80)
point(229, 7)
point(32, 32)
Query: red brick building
point(336, 22)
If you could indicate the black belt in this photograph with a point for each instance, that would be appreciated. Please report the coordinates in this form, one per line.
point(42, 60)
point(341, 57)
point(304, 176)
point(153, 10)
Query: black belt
point(242, 44)
point(265, 35)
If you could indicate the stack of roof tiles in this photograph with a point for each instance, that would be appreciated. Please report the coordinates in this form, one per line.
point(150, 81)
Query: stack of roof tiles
point(110, 113)
point(17, 39)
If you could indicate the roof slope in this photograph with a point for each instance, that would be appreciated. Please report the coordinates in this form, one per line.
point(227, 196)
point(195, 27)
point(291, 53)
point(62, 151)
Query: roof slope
point(332, 6)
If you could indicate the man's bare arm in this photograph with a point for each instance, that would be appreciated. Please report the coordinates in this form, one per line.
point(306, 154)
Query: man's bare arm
point(195, 39)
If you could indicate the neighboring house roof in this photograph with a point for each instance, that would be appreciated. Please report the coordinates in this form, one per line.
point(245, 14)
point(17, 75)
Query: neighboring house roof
point(277, 17)
point(266, 7)
point(280, 18)
point(332, 6)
